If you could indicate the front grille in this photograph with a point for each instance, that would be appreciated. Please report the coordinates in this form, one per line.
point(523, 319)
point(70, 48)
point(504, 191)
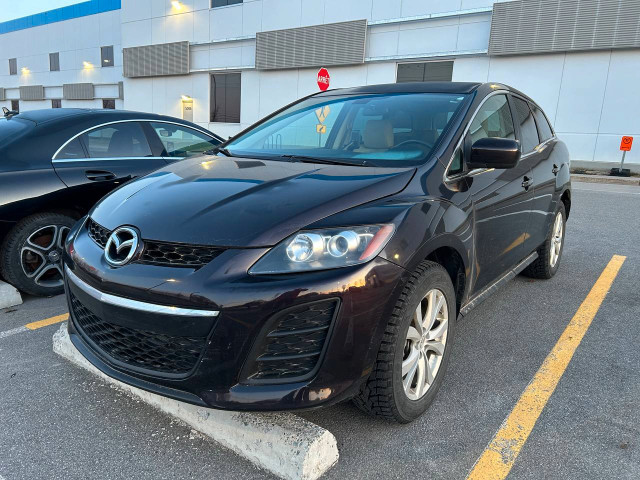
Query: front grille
point(161, 253)
point(177, 255)
point(141, 349)
point(294, 342)
point(98, 233)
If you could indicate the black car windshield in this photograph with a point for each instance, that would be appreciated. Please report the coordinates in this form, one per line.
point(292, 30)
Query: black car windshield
point(389, 130)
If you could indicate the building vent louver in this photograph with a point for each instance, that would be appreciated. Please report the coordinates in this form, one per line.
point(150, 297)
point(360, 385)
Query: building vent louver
point(156, 60)
point(315, 46)
point(32, 92)
point(77, 91)
point(544, 26)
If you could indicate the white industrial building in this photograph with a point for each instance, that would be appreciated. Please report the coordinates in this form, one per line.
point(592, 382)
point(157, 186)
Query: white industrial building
point(228, 63)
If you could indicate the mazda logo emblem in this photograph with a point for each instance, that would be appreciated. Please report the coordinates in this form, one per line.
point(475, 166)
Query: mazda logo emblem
point(121, 246)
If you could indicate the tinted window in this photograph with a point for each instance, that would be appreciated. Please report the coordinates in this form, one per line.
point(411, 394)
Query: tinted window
point(109, 103)
point(223, 3)
point(528, 132)
point(544, 129)
point(225, 97)
point(72, 150)
point(54, 62)
point(377, 129)
point(12, 127)
point(106, 55)
point(182, 141)
point(56, 103)
point(15, 105)
point(493, 120)
point(13, 66)
point(425, 72)
point(118, 140)
point(456, 164)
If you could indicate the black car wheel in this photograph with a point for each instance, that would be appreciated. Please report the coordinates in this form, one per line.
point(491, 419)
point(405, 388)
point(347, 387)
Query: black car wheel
point(31, 257)
point(415, 348)
point(550, 252)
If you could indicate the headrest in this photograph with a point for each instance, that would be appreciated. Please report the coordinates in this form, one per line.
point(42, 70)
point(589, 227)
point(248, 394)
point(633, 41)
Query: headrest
point(378, 134)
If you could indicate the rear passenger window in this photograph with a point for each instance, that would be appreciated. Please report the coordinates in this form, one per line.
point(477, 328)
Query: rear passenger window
point(544, 129)
point(492, 120)
point(124, 139)
point(71, 150)
point(182, 141)
point(528, 132)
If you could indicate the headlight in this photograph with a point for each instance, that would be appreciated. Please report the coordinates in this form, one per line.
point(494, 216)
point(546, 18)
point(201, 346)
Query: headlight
point(324, 249)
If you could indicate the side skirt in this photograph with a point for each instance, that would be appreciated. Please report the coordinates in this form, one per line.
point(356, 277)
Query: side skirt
point(510, 275)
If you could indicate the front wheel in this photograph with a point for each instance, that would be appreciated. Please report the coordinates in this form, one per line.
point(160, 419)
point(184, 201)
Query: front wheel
point(31, 256)
point(415, 348)
point(550, 252)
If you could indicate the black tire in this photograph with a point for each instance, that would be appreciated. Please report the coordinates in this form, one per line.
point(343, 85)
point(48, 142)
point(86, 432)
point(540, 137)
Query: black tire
point(12, 255)
point(383, 394)
point(542, 267)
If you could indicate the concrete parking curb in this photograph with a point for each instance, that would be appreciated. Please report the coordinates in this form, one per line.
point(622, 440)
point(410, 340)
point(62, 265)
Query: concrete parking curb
point(287, 445)
point(578, 177)
point(9, 296)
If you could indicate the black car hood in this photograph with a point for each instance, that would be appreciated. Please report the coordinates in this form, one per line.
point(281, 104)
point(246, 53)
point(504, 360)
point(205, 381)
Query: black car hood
point(237, 202)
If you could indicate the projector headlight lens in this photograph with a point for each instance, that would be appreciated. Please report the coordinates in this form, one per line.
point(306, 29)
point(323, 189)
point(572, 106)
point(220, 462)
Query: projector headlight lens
point(324, 249)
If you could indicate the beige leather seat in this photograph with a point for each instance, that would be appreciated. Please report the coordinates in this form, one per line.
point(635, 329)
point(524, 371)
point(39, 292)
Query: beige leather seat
point(377, 135)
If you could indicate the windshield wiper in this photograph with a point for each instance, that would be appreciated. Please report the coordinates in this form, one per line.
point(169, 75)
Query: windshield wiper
point(219, 149)
point(324, 161)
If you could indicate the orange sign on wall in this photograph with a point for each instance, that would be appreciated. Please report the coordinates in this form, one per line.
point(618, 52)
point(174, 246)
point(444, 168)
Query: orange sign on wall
point(626, 143)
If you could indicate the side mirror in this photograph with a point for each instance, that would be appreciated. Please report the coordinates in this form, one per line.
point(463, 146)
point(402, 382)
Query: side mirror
point(494, 152)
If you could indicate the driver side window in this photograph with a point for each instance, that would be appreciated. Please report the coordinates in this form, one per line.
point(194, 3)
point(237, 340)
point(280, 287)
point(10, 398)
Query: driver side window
point(493, 119)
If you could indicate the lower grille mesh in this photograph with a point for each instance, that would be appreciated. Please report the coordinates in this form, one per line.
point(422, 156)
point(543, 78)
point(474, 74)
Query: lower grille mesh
point(295, 342)
point(138, 348)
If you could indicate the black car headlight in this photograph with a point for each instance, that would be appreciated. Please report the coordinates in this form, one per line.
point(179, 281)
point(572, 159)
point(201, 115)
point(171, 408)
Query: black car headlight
point(324, 249)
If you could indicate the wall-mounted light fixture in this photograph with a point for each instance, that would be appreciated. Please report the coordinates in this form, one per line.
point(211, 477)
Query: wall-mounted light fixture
point(187, 108)
point(87, 65)
point(177, 6)
point(25, 71)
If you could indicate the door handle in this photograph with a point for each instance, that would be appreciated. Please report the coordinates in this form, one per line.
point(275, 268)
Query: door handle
point(99, 175)
point(555, 169)
point(527, 182)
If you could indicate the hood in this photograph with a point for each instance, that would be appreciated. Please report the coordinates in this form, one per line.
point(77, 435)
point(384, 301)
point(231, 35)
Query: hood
point(237, 202)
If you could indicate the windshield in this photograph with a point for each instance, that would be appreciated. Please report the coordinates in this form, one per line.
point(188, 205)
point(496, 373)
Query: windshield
point(377, 129)
point(9, 127)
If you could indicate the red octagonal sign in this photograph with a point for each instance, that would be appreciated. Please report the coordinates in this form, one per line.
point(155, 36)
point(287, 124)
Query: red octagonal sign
point(323, 79)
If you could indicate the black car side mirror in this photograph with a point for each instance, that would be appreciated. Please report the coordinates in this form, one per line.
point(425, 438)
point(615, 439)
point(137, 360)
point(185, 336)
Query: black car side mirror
point(494, 152)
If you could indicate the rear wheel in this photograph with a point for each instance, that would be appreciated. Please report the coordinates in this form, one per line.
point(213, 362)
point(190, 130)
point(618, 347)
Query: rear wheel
point(415, 348)
point(550, 252)
point(31, 256)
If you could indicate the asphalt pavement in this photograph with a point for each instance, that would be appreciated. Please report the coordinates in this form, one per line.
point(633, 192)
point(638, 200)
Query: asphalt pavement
point(60, 422)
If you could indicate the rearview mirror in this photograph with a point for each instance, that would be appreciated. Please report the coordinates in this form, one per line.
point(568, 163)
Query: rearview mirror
point(494, 152)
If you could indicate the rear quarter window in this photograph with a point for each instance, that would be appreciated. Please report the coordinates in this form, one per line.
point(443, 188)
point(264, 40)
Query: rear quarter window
point(544, 129)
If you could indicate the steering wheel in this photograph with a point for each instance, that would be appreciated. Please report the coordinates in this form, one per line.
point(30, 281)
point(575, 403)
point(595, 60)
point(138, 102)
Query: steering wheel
point(420, 142)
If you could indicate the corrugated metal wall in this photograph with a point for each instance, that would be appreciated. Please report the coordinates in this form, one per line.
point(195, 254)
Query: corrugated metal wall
point(315, 46)
point(32, 92)
point(77, 91)
point(540, 26)
point(156, 60)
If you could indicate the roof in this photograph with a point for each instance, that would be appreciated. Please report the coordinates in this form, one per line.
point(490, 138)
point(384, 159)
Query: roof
point(60, 14)
point(96, 115)
point(409, 87)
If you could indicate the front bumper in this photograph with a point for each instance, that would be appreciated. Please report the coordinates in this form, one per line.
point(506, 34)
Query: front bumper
point(229, 313)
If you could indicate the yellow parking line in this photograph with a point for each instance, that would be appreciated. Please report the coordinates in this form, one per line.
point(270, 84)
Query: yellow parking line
point(47, 321)
point(499, 456)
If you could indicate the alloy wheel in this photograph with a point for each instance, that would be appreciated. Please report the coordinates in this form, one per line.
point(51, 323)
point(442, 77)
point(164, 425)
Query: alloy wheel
point(425, 344)
point(41, 255)
point(556, 240)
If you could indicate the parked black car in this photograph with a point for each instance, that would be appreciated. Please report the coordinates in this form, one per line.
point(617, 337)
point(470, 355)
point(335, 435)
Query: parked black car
point(55, 164)
point(325, 253)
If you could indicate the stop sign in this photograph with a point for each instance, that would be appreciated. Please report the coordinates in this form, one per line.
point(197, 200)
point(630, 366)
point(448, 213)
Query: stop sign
point(323, 79)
